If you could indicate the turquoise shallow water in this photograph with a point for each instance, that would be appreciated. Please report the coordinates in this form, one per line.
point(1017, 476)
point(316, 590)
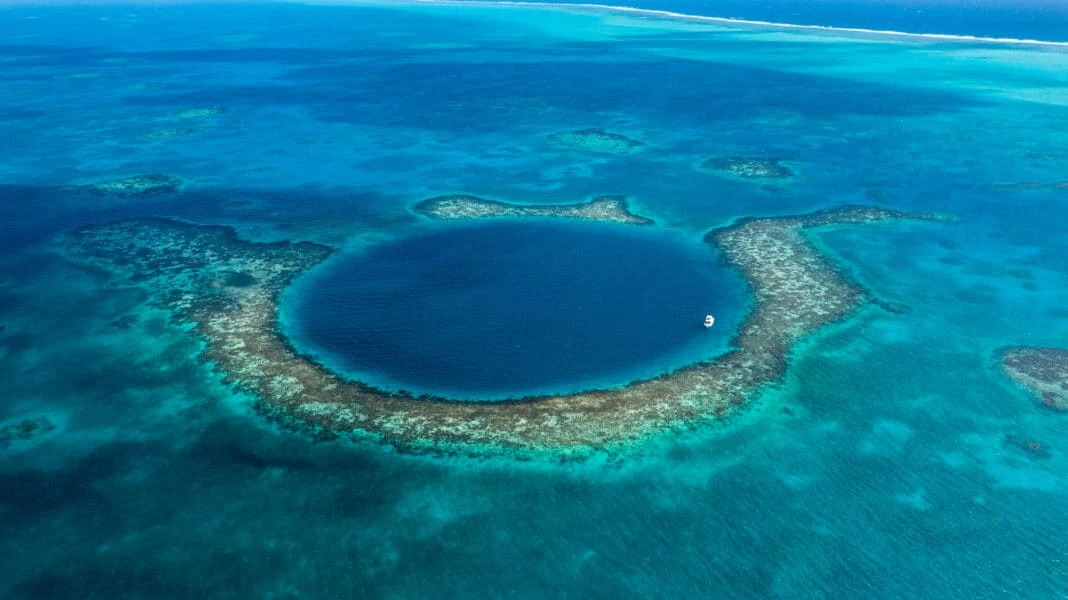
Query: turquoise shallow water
point(885, 464)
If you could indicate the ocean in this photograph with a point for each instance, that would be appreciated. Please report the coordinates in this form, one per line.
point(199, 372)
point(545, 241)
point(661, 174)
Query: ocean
point(889, 453)
point(1018, 19)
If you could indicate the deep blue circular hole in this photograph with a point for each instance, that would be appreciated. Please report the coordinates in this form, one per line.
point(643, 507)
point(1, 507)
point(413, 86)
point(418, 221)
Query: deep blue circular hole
point(507, 309)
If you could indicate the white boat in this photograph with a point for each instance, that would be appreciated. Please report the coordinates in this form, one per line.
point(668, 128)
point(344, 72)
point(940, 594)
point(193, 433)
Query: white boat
point(709, 320)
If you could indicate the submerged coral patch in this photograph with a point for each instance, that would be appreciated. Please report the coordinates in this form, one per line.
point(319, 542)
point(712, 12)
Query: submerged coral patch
point(138, 185)
point(796, 290)
point(171, 132)
point(748, 167)
point(24, 430)
point(238, 279)
point(1028, 186)
point(597, 140)
point(202, 112)
point(463, 206)
point(1033, 449)
point(1044, 371)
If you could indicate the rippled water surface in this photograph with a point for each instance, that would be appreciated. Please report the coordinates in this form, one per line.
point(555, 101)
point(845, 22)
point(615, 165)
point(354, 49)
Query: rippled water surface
point(893, 460)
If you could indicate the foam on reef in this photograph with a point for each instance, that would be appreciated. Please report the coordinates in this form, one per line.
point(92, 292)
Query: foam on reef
point(190, 270)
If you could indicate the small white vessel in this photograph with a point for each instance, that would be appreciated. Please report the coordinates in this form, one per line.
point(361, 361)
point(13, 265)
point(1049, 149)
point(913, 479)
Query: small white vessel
point(709, 320)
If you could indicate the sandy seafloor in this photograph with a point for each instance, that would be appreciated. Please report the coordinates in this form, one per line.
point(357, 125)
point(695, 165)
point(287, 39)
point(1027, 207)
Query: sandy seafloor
point(887, 464)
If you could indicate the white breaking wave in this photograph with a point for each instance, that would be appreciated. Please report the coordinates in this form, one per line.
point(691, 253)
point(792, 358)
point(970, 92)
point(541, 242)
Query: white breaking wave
point(676, 16)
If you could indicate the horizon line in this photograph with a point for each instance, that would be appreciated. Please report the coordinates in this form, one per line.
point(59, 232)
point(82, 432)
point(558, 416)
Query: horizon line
point(666, 15)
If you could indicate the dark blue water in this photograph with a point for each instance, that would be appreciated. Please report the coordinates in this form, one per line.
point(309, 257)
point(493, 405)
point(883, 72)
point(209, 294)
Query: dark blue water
point(1020, 19)
point(517, 308)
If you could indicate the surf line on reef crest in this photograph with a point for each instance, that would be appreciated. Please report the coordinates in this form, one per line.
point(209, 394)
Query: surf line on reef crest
point(229, 290)
point(730, 21)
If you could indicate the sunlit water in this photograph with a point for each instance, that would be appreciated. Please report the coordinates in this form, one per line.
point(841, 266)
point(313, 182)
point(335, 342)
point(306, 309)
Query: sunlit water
point(884, 465)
